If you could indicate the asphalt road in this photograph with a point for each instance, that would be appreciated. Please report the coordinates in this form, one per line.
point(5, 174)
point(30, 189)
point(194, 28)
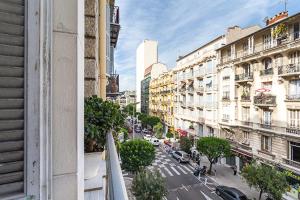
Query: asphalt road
point(181, 183)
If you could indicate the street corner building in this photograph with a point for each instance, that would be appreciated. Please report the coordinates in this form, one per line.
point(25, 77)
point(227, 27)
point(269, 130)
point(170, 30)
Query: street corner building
point(50, 55)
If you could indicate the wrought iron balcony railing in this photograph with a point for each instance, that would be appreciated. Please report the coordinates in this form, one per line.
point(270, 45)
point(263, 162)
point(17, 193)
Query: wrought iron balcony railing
point(265, 100)
point(268, 71)
point(290, 69)
point(244, 77)
point(293, 97)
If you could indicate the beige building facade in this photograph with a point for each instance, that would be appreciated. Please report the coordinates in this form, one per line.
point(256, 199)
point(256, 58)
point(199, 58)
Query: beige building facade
point(260, 109)
point(161, 98)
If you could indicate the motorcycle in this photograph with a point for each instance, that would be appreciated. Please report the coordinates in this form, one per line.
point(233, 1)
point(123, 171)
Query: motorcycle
point(201, 171)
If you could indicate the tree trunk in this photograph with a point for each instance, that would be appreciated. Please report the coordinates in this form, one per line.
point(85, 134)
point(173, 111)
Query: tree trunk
point(210, 167)
point(260, 194)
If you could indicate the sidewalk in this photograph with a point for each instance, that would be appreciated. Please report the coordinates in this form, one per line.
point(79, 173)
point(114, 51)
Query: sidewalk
point(224, 176)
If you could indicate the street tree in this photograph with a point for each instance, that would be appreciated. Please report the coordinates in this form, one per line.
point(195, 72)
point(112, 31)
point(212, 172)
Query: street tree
point(266, 179)
point(158, 130)
point(148, 185)
point(130, 110)
point(152, 121)
point(213, 148)
point(136, 154)
point(185, 144)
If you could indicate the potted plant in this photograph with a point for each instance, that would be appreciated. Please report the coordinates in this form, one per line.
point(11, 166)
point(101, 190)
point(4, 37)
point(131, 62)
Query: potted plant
point(191, 126)
point(280, 32)
point(99, 118)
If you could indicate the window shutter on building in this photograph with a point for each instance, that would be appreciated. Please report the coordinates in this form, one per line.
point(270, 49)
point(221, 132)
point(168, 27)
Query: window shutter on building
point(12, 150)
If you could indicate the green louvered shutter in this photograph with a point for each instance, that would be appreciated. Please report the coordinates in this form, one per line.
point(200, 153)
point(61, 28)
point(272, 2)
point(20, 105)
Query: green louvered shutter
point(12, 160)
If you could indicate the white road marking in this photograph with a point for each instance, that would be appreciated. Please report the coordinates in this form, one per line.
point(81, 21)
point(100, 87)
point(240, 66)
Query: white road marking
point(191, 167)
point(187, 168)
point(168, 171)
point(162, 174)
point(182, 170)
point(185, 187)
point(177, 198)
point(206, 197)
point(175, 170)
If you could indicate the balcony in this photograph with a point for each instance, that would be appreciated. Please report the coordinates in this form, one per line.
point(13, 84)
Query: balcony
point(226, 97)
point(291, 163)
point(266, 72)
point(293, 130)
point(245, 123)
point(200, 73)
point(265, 100)
point(245, 98)
point(293, 97)
point(244, 77)
point(114, 26)
point(199, 89)
point(289, 70)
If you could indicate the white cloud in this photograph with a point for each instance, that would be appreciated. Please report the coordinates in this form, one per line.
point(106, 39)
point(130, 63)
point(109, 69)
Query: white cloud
point(180, 26)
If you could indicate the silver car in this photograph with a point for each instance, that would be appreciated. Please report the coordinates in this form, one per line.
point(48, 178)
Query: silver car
point(181, 156)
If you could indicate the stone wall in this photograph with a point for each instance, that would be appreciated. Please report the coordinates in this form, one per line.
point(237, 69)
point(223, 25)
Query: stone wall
point(91, 54)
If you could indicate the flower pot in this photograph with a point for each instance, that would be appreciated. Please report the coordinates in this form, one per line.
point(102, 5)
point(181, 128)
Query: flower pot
point(92, 164)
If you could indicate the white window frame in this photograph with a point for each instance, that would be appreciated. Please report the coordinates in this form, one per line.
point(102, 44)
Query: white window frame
point(266, 143)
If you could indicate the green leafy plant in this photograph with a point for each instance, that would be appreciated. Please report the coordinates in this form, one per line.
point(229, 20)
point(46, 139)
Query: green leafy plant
point(185, 144)
point(169, 135)
point(213, 148)
point(280, 30)
point(130, 110)
point(191, 126)
point(159, 130)
point(99, 118)
point(136, 154)
point(148, 185)
point(266, 179)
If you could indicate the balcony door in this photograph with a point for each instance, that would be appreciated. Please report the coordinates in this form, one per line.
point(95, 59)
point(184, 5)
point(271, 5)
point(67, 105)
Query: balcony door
point(267, 117)
point(294, 89)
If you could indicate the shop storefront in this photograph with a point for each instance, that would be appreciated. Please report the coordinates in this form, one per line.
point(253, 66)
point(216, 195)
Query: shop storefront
point(294, 182)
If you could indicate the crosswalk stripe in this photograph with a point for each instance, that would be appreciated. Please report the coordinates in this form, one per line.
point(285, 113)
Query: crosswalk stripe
point(190, 167)
point(182, 170)
point(162, 174)
point(168, 171)
point(175, 170)
point(187, 168)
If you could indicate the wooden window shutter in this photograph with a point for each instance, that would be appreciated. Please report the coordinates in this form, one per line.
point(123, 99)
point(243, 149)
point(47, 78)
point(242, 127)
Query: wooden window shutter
point(12, 90)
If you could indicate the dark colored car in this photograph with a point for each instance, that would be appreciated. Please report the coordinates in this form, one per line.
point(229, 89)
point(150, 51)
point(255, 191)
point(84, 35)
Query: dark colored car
point(229, 193)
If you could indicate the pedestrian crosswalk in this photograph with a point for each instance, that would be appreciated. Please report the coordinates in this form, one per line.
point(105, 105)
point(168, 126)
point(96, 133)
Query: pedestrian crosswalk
point(169, 167)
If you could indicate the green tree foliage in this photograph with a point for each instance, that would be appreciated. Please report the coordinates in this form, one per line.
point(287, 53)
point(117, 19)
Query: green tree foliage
point(213, 148)
point(100, 117)
point(130, 110)
point(148, 120)
point(136, 154)
point(159, 130)
point(125, 132)
point(266, 179)
point(185, 144)
point(169, 135)
point(148, 185)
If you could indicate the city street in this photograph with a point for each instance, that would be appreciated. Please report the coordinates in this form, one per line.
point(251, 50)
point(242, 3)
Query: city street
point(181, 183)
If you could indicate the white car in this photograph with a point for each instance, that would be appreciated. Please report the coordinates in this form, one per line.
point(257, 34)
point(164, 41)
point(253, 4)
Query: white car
point(155, 141)
point(147, 137)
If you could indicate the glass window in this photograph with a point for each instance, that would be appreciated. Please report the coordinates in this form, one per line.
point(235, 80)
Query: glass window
point(246, 114)
point(295, 57)
point(267, 41)
point(209, 66)
point(294, 87)
point(265, 143)
point(294, 118)
point(267, 117)
point(295, 151)
point(267, 63)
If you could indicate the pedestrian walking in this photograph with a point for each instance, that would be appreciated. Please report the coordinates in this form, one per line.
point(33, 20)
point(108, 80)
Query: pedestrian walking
point(234, 167)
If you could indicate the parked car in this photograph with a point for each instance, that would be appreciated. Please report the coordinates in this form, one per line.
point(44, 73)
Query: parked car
point(154, 141)
point(181, 156)
point(229, 193)
point(147, 137)
point(145, 131)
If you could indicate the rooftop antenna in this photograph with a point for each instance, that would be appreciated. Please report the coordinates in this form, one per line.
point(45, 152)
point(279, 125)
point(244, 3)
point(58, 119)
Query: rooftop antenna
point(285, 4)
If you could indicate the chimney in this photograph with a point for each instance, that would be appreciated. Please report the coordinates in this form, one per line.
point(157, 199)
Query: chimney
point(277, 17)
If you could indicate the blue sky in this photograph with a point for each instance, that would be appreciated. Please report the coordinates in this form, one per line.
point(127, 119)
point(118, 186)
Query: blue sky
point(181, 26)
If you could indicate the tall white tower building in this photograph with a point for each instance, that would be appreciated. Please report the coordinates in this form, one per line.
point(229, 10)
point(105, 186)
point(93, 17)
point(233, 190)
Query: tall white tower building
point(146, 55)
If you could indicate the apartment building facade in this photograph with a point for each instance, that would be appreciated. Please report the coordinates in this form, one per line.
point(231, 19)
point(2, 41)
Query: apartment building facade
point(126, 98)
point(260, 109)
point(161, 99)
point(196, 94)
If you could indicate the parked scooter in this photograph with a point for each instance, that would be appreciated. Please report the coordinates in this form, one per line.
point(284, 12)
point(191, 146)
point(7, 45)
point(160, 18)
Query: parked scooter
point(201, 171)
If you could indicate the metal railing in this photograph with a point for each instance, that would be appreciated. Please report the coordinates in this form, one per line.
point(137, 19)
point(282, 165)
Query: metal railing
point(245, 98)
point(266, 100)
point(244, 77)
point(115, 15)
point(293, 97)
point(259, 47)
point(291, 162)
point(268, 71)
point(116, 184)
point(289, 69)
